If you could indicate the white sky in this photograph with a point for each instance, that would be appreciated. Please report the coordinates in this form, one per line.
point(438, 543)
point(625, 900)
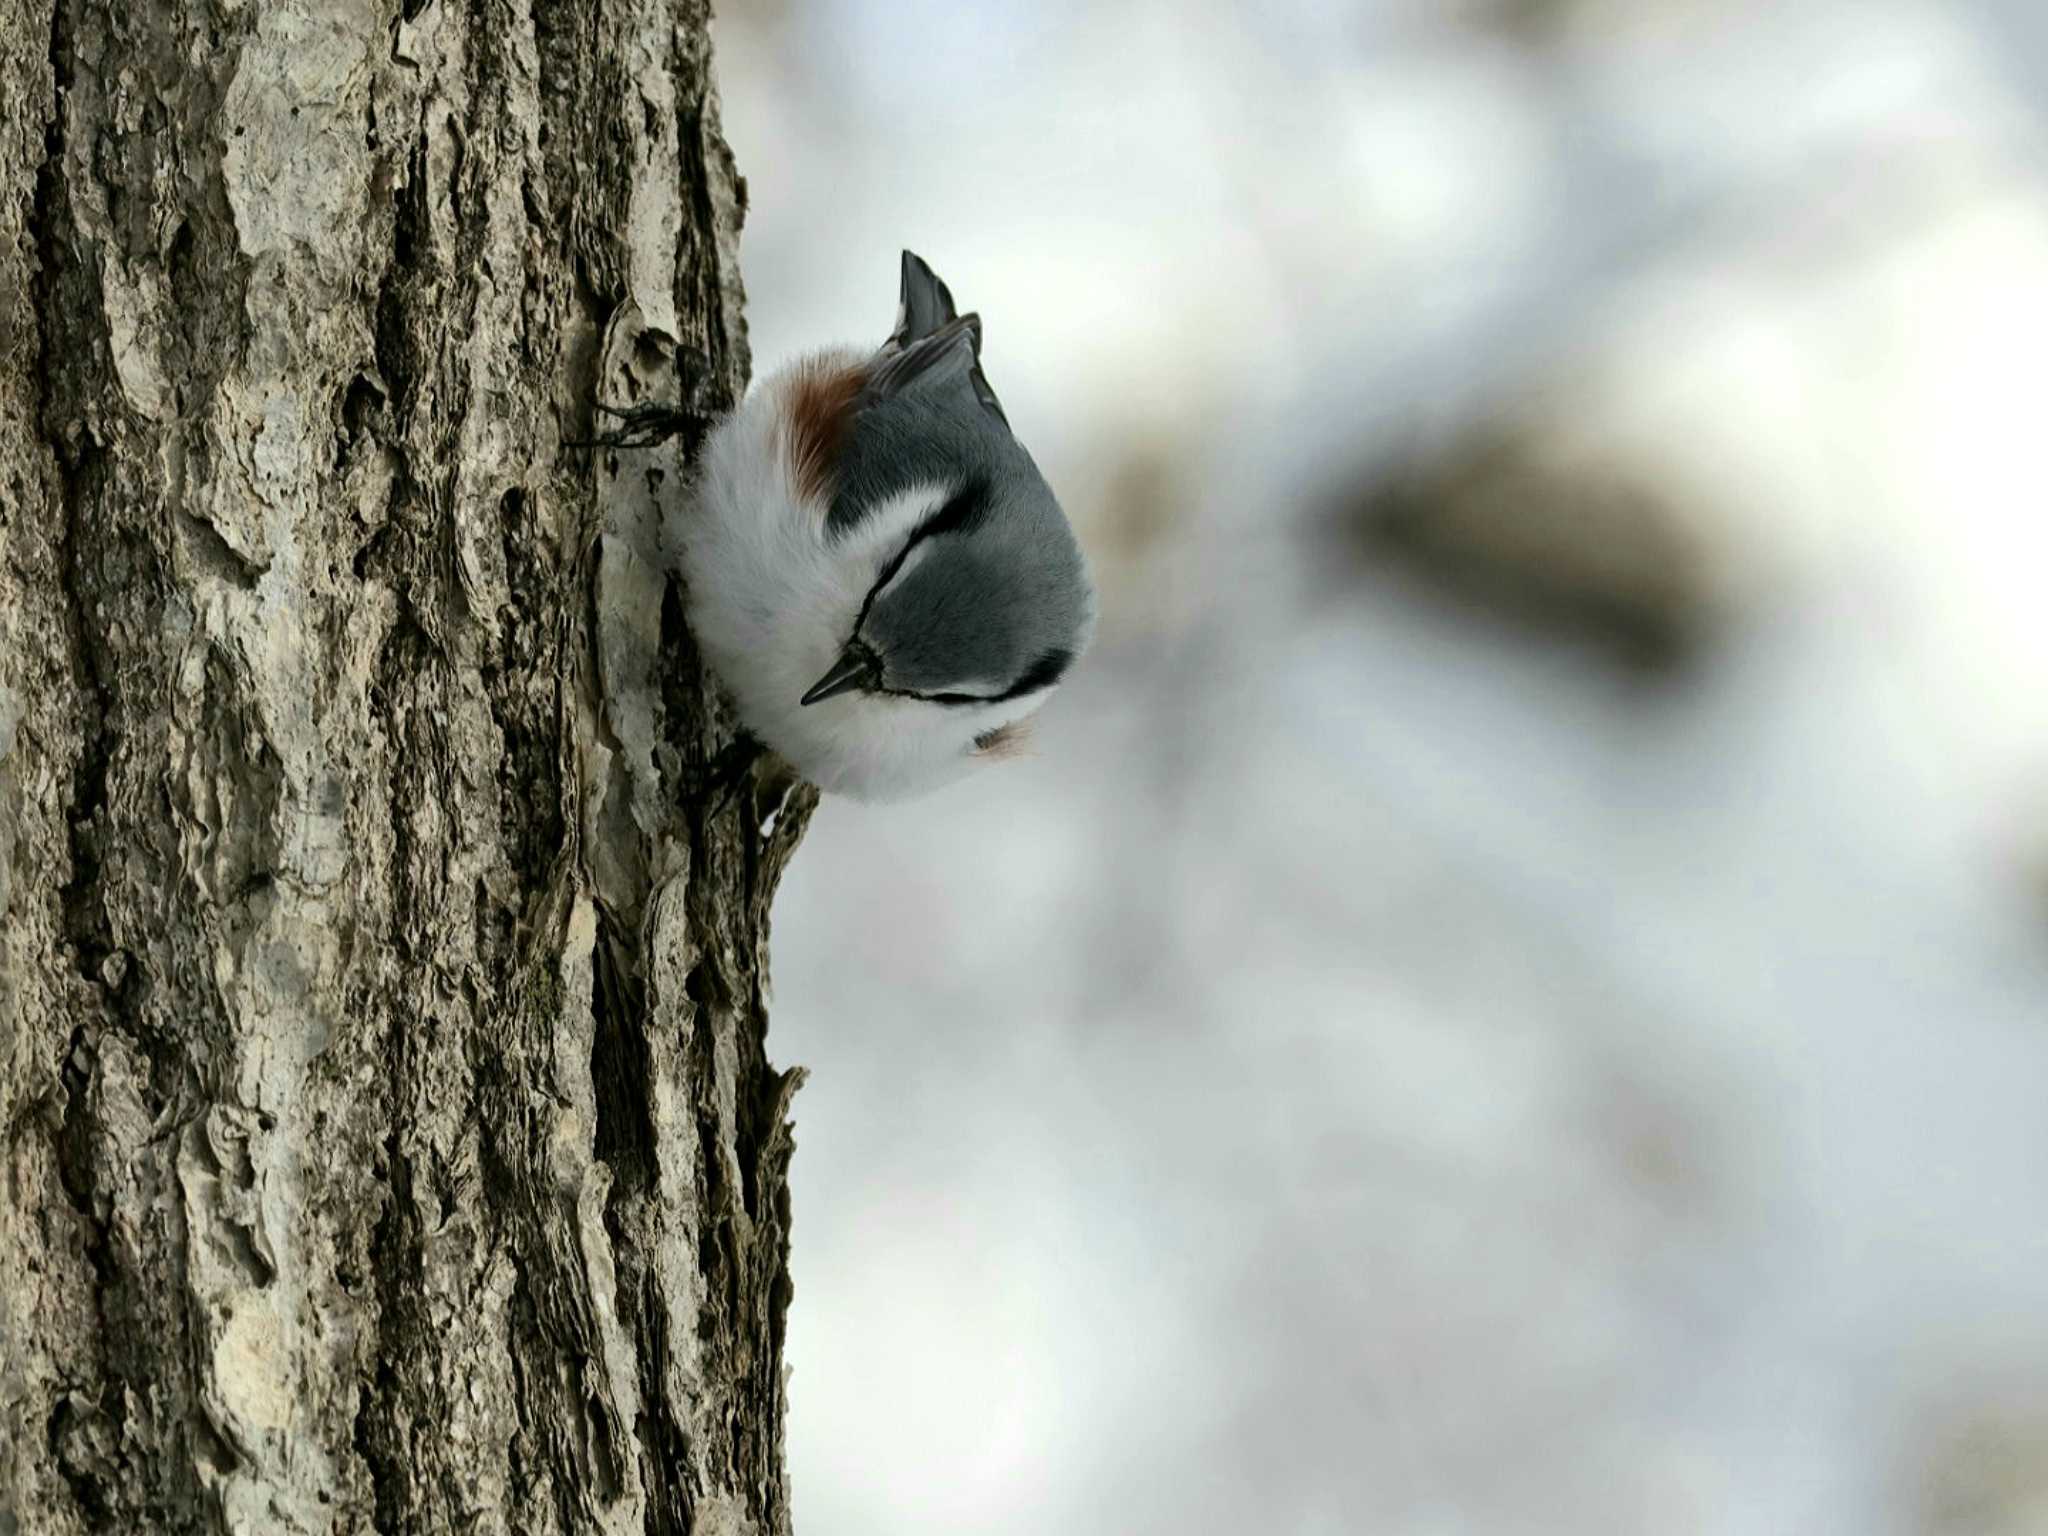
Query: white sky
point(1373, 1071)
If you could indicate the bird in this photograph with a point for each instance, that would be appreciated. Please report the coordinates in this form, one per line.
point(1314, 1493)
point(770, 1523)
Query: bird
point(873, 565)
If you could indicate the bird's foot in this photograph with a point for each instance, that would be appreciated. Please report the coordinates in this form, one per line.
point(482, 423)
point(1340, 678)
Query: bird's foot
point(711, 784)
point(646, 425)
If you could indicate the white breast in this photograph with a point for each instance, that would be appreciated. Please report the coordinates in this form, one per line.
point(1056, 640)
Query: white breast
point(772, 602)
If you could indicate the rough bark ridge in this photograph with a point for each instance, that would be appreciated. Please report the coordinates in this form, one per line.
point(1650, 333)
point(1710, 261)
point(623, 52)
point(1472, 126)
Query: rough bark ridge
point(389, 1140)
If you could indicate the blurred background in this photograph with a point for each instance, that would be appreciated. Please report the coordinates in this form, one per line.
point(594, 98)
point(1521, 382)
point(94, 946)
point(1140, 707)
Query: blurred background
point(1513, 994)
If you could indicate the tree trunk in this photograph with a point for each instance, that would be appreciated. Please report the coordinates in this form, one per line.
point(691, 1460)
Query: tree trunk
point(390, 1144)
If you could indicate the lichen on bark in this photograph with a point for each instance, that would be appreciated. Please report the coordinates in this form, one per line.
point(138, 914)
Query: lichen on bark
point(391, 1143)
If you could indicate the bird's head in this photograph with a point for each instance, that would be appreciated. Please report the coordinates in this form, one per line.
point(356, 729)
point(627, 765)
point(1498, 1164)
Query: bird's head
point(979, 599)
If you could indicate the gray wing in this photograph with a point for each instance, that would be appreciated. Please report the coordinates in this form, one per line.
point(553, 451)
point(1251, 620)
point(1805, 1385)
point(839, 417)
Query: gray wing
point(925, 304)
point(930, 334)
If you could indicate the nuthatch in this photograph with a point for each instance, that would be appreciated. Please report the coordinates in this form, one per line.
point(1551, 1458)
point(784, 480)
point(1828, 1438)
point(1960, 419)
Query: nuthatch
point(876, 569)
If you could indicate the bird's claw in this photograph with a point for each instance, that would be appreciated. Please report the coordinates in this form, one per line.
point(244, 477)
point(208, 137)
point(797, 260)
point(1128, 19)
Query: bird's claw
point(648, 424)
point(711, 784)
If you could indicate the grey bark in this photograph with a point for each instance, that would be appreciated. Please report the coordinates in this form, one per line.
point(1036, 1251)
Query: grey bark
point(390, 1143)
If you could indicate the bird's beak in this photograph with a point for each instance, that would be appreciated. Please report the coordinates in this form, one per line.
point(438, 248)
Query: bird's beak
point(857, 667)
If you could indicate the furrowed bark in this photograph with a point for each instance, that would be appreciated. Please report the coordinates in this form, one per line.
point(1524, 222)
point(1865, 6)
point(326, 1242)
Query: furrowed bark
point(390, 1143)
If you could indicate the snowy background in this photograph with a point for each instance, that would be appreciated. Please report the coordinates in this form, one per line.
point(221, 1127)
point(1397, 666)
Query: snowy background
point(1513, 994)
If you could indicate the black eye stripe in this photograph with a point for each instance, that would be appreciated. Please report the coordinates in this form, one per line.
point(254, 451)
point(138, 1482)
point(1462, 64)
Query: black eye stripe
point(1048, 669)
point(966, 510)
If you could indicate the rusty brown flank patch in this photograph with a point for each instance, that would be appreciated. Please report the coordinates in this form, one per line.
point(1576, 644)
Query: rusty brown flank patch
point(821, 401)
point(1005, 740)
